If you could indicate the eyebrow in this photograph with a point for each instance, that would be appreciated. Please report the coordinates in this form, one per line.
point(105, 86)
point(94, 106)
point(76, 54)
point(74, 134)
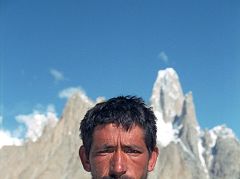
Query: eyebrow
point(110, 146)
point(133, 147)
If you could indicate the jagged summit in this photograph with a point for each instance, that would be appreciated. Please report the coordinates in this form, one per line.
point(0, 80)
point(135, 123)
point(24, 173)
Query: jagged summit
point(185, 148)
point(167, 96)
point(172, 108)
point(222, 131)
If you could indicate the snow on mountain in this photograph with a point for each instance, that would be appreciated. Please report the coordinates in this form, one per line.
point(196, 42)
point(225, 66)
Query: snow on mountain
point(166, 100)
point(221, 131)
point(179, 131)
point(167, 96)
point(165, 133)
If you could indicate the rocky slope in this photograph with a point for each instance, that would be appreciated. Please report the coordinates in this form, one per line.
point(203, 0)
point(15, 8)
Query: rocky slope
point(55, 154)
point(186, 151)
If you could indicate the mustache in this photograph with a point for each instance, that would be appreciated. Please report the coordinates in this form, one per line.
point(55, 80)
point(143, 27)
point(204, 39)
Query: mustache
point(115, 177)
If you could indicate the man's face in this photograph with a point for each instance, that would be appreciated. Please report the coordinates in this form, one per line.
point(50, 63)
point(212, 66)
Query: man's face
point(117, 153)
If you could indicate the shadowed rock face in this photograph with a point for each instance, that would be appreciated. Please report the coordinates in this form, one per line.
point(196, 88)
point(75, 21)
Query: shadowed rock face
point(186, 152)
point(226, 162)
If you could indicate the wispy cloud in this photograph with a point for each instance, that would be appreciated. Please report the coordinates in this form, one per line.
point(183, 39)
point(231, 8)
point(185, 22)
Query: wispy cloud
point(68, 92)
point(57, 75)
point(163, 57)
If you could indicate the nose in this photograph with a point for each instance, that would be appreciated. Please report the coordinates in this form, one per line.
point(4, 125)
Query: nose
point(118, 166)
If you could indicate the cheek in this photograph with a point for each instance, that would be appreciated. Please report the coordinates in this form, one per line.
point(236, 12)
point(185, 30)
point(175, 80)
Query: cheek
point(138, 166)
point(100, 166)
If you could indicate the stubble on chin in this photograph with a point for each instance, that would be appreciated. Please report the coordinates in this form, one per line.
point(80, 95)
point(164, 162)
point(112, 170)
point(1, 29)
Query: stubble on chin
point(122, 177)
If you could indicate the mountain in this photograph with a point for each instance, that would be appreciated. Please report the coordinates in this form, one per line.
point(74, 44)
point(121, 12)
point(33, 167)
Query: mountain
point(186, 151)
point(55, 154)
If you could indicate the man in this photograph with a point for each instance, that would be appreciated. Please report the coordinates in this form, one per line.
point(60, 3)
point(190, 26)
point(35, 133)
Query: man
point(119, 139)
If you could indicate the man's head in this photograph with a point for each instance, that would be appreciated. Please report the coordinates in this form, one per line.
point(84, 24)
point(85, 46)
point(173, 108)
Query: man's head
point(119, 139)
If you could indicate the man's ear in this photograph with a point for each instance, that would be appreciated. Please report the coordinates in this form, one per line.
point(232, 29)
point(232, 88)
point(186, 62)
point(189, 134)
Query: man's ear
point(153, 159)
point(84, 159)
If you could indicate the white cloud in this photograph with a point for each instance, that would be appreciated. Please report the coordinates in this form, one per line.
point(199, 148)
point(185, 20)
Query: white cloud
point(31, 126)
point(8, 139)
point(163, 57)
point(36, 122)
point(68, 92)
point(57, 75)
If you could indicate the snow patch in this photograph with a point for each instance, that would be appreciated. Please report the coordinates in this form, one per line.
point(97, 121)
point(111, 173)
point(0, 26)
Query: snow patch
point(201, 149)
point(165, 131)
point(220, 131)
point(167, 93)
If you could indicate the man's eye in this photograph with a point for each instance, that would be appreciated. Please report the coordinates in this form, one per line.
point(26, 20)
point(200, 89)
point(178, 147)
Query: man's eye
point(132, 151)
point(104, 151)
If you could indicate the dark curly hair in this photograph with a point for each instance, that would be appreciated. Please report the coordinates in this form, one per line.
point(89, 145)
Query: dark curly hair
point(124, 111)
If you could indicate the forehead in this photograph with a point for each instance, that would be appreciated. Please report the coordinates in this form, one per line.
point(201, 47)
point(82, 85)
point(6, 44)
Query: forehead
point(113, 133)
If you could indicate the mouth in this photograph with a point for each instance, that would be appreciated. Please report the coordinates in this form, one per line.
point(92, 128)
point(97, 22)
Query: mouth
point(116, 177)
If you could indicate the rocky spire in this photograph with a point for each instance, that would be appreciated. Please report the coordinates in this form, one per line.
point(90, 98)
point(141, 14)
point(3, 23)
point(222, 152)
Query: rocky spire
point(167, 96)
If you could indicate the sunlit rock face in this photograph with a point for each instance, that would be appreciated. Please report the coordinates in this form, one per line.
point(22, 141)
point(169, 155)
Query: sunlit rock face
point(186, 151)
point(55, 154)
point(167, 96)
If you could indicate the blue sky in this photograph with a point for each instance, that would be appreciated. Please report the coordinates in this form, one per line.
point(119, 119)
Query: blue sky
point(116, 47)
